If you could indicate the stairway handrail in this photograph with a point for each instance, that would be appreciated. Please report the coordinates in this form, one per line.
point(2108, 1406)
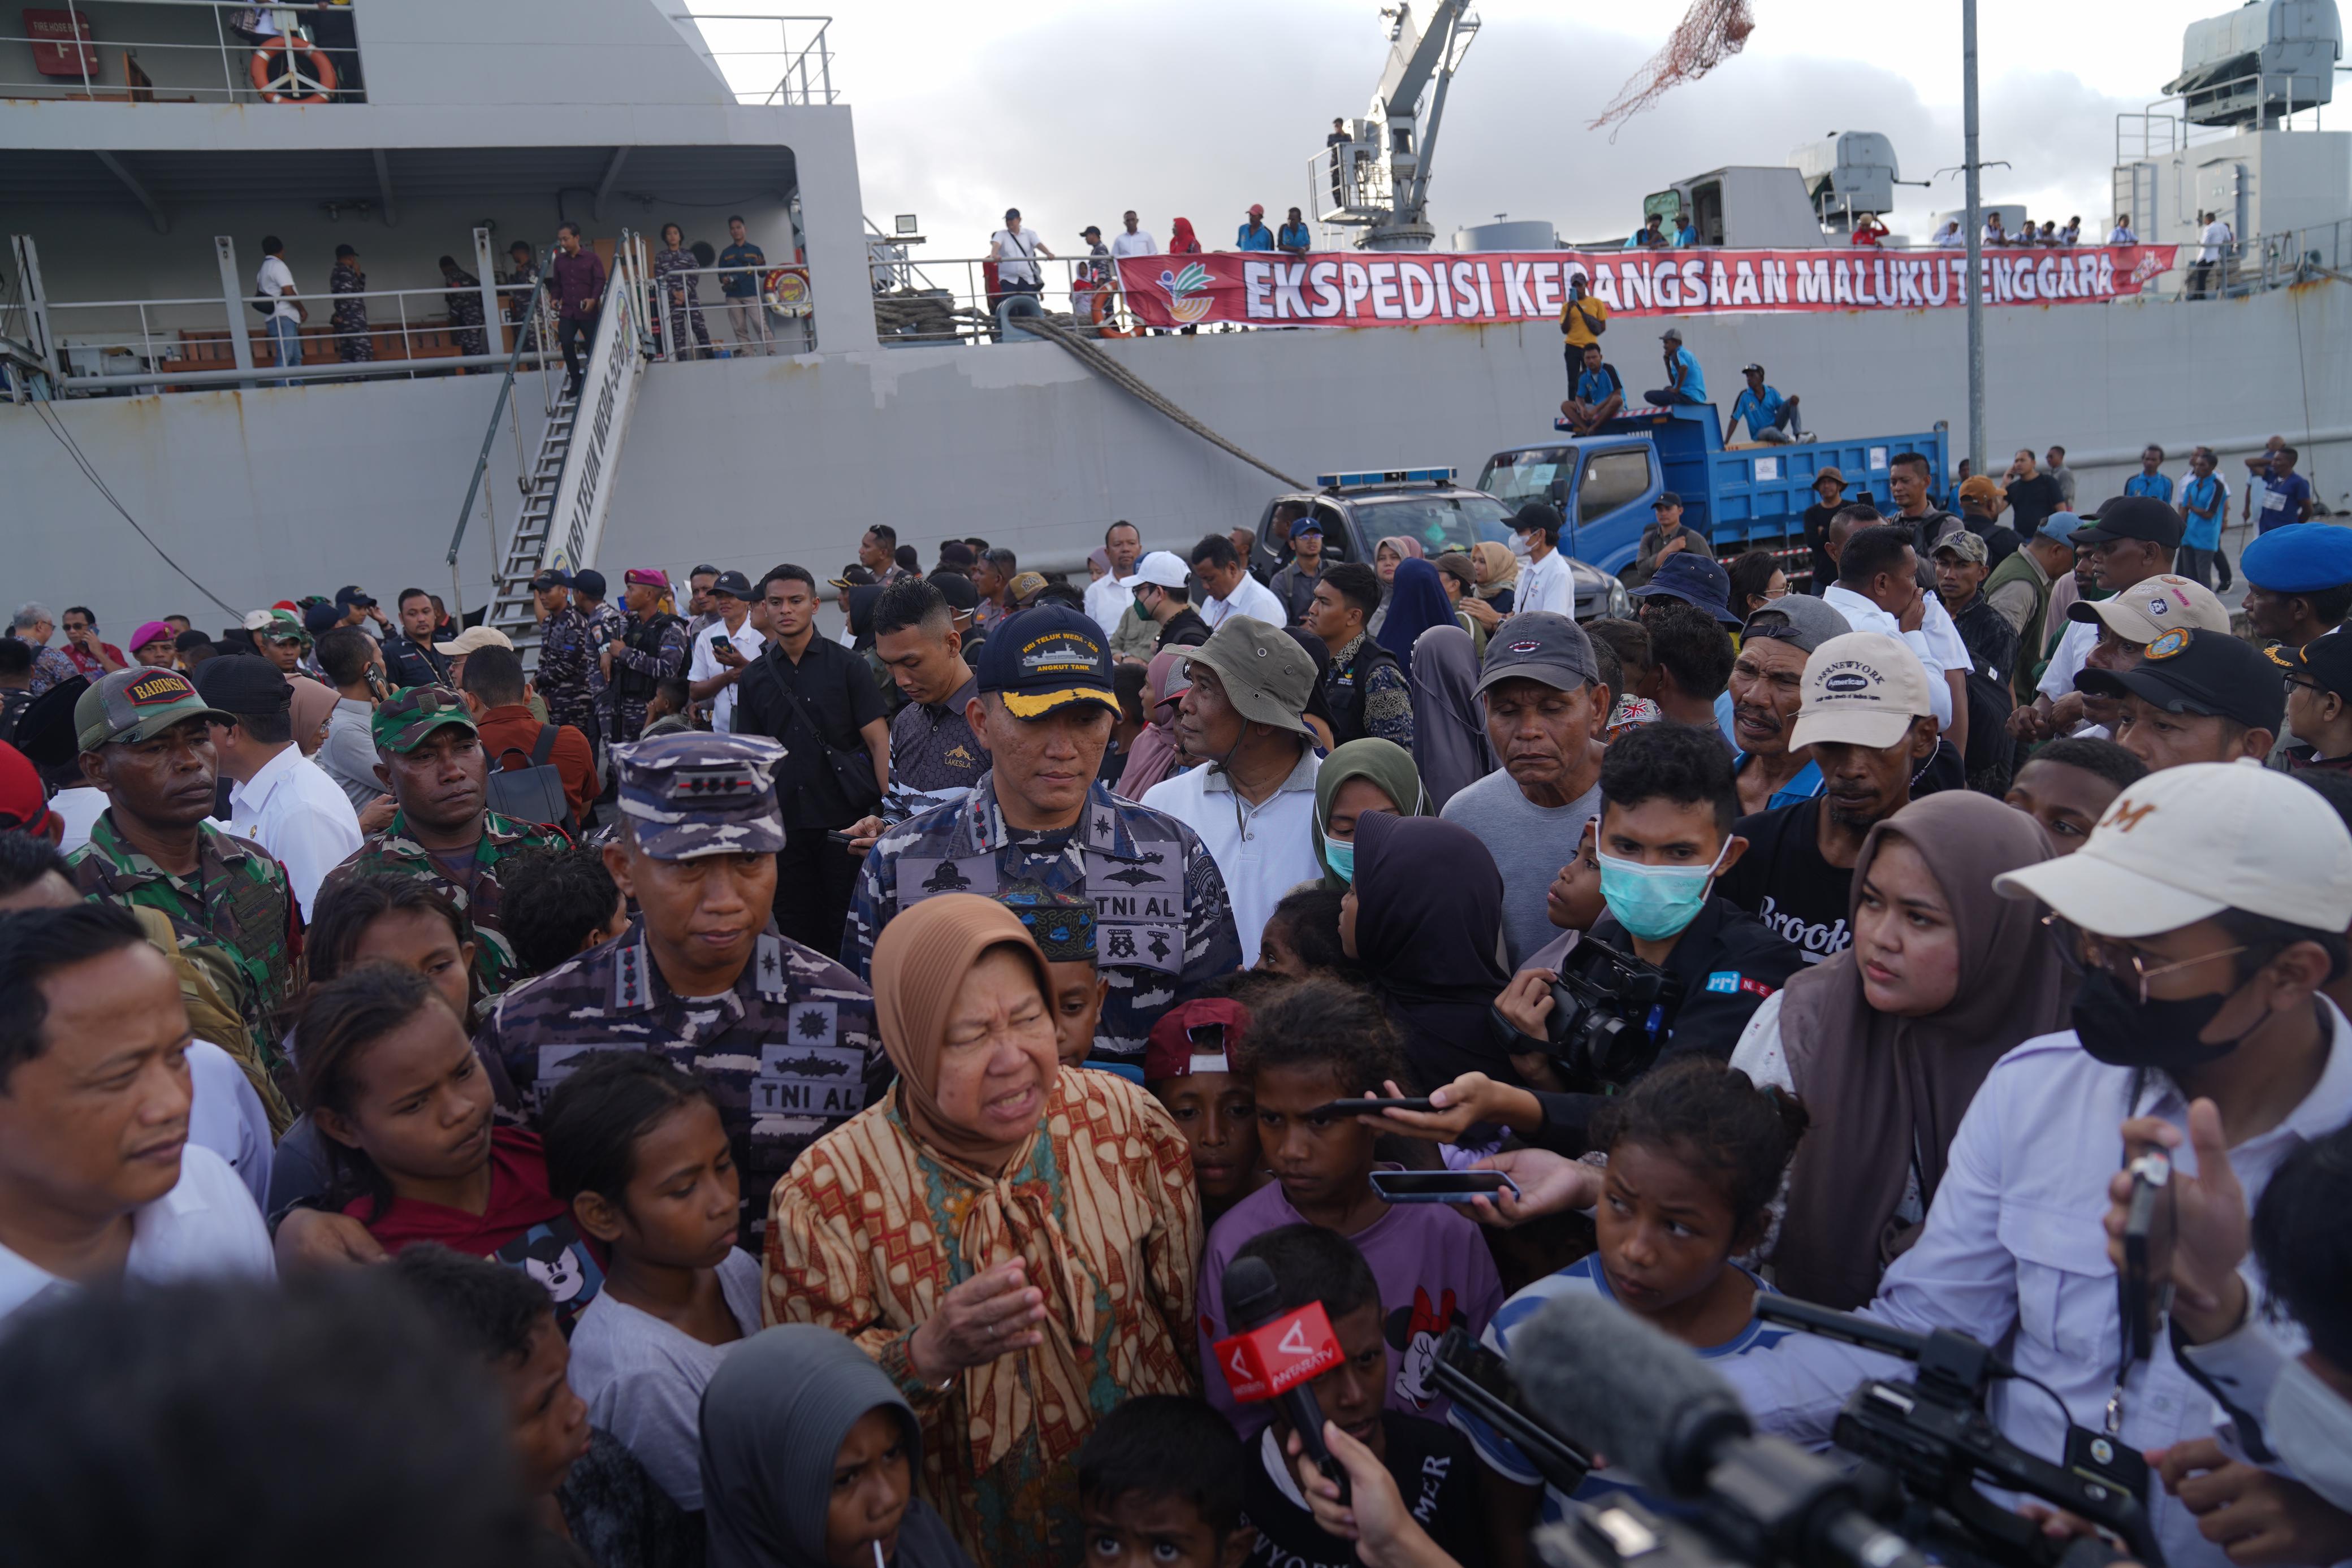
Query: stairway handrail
point(506, 388)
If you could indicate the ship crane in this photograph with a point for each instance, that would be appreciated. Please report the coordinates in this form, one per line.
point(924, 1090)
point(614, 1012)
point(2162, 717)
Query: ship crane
point(1373, 175)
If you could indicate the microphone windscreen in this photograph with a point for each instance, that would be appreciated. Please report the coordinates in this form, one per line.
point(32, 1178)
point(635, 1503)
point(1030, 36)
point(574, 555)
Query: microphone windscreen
point(1611, 1383)
point(1250, 1294)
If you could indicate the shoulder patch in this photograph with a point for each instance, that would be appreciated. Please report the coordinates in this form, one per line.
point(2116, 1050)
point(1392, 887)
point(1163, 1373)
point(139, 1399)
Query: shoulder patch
point(1724, 982)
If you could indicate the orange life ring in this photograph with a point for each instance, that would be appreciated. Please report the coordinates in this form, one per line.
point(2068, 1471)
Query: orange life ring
point(321, 78)
point(788, 287)
point(1099, 315)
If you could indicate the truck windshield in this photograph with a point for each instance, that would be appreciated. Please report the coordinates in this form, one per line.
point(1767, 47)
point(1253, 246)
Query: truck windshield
point(1515, 478)
point(1440, 522)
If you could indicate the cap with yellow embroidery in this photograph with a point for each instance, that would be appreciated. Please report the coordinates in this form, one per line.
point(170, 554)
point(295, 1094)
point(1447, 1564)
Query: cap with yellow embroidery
point(697, 794)
point(132, 705)
point(404, 718)
point(2185, 844)
point(1046, 658)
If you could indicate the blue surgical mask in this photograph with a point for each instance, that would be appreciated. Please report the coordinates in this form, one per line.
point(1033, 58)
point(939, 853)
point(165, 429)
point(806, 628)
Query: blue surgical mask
point(1341, 856)
point(1655, 902)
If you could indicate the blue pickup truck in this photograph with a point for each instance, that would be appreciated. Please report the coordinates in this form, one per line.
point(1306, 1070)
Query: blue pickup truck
point(1742, 499)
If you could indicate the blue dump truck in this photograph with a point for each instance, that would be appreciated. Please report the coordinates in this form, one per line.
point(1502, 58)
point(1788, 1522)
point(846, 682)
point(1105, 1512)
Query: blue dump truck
point(1743, 499)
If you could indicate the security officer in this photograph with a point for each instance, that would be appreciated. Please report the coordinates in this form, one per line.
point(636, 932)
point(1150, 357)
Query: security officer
point(1044, 711)
point(1662, 837)
point(650, 648)
point(784, 1036)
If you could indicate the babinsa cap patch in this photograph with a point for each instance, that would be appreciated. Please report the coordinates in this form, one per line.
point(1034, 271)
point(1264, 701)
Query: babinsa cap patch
point(160, 689)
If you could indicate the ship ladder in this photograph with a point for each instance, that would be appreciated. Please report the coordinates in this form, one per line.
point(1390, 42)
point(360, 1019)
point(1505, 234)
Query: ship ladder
point(526, 550)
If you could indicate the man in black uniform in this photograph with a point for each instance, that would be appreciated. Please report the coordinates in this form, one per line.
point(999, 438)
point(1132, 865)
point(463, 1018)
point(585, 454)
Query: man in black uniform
point(1665, 835)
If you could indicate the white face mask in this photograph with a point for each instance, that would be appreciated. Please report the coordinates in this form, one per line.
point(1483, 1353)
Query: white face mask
point(2309, 1426)
point(1519, 546)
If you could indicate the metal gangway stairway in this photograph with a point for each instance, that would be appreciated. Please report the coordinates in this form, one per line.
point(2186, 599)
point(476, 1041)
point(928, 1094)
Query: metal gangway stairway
point(566, 485)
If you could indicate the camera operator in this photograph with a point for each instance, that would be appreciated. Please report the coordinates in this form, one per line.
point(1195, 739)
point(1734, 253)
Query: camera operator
point(2279, 1489)
point(2210, 904)
point(1668, 801)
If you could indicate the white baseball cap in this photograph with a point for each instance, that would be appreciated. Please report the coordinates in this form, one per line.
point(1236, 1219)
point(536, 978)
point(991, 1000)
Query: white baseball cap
point(1161, 569)
point(1863, 689)
point(472, 640)
point(2185, 844)
point(2153, 606)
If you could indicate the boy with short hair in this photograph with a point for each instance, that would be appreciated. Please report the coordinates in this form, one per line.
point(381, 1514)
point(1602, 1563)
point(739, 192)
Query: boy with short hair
point(1432, 1463)
point(1063, 925)
point(1160, 1486)
point(1189, 1066)
point(2068, 785)
point(556, 905)
point(1315, 1041)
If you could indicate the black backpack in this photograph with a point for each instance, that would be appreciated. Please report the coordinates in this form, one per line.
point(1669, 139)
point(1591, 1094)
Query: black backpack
point(535, 793)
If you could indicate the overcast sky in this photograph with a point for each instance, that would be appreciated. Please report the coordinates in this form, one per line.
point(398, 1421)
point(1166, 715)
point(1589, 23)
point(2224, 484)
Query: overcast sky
point(1073, 110)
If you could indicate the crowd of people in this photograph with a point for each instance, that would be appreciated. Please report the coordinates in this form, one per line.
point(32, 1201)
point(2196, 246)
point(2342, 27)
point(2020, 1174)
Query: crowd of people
point(730, 1093)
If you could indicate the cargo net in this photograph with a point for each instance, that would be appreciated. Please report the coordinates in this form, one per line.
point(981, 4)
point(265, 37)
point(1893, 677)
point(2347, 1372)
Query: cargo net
point(1710, 33)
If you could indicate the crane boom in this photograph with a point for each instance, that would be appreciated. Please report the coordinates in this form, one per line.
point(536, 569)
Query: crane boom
point(1376, 176)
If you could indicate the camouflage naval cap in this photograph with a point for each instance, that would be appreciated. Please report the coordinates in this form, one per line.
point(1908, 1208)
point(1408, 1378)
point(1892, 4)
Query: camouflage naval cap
point(701, 794)
point(404, 718)
point(1062, 923)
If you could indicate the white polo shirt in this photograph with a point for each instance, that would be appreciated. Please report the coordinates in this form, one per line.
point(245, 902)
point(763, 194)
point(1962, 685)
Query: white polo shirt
point(1546, 584)
point(705, 664)
point(205, 1228)
point(300, 816)
point(1251, 598)
point(1262, 851)
point(1864, 615)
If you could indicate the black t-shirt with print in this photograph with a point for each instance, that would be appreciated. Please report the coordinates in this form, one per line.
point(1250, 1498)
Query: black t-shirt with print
point(1435, 1473)
point(1784, 881)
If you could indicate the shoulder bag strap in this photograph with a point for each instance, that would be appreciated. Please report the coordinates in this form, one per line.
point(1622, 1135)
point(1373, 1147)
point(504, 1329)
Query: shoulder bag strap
point(544, 747)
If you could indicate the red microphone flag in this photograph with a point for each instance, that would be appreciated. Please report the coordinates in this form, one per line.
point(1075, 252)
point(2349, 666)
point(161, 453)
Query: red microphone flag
point(1278, 1357)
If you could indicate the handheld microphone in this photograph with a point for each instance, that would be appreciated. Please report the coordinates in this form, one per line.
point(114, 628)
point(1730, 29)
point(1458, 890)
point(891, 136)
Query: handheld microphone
point(1650, 1407)
point(1272, 1354)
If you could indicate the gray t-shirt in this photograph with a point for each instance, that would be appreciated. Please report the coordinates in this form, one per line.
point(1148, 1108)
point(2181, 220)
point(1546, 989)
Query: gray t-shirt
point(642, 1379)
point(1529, 843)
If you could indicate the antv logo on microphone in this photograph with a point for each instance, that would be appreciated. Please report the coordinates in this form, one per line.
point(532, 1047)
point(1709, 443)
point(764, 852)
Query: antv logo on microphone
point(1278, 1357)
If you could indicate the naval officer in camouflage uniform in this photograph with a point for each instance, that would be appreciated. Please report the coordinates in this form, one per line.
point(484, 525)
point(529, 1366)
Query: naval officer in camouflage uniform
point(1163, 927)
point(443, 833)
point(784, 1036)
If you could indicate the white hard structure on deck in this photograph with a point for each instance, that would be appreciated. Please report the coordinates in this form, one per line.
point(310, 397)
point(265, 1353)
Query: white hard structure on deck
point(1378, 180)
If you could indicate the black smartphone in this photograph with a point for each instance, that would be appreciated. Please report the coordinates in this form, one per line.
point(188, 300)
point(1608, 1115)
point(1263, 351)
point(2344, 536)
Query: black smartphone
point(838, 836)
point(1374, 1107)
point(722, 644)
point(1441, 1186)
point(2144, 1285)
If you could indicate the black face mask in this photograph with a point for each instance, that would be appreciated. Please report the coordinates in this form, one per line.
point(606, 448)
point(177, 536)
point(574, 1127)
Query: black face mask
point(2118, 1028)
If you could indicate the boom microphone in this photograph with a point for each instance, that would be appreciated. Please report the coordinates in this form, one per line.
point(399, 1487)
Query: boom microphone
point(1271, 1354)
point(1648, 1405)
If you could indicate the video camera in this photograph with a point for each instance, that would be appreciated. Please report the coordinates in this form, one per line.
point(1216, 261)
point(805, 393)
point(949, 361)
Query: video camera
point(1609, 1009)
point(1935, 1438)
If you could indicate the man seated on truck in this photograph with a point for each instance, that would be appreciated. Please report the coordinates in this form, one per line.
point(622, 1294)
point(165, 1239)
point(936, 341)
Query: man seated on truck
point(1685, 383)
point(1772, 418)
point(1599, 394)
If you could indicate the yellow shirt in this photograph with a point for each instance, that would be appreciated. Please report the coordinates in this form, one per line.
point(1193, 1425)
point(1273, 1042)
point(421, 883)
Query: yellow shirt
point(1591, 309)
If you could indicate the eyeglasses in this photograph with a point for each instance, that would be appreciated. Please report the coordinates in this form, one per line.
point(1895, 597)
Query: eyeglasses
point(2307, 685)
point(2121, 960)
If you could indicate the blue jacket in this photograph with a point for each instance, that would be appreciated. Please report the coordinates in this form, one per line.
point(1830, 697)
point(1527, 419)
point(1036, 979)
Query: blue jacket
point(1254, 236)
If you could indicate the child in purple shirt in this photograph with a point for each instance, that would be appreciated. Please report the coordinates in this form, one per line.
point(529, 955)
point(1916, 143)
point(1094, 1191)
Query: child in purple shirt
point(1312, 1043)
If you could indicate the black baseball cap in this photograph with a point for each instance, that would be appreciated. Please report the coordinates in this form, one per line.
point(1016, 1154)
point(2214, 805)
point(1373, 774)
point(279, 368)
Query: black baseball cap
point(1535, 515)
point(2142, 518)
point(733, 584)
point(1665, 498)
point(320, 619)
point(351, 594)
point(550, 578)
point(1539, 645)
point(2327, 659)
point(854, 575)
point(242, 686)
point(2191, 669)
point(960, 592)
point(590, 581)
point(1049, 657)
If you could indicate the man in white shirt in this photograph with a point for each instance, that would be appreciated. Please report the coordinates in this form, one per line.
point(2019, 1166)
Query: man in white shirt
point(2211, 255)
point(1134, 242)
point(2133, 539)
point(98, 1180)
point(1545, 581)
point(1230, 588)
point(2212, 899)
point(282, 800)
point(712, 672)
point(1877, 567)
point(1015, 251)
point(1111, 595)
point(275, 280)
point(1253, 802)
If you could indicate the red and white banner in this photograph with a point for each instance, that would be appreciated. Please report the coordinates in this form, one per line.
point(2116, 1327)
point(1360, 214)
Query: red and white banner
point(1360, 288)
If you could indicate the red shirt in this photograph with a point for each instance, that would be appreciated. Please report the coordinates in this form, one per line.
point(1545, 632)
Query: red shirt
point(523, 1225)
point(87, 664)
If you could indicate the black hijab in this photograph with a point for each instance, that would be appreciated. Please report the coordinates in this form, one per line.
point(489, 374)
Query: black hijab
point(1429, 926)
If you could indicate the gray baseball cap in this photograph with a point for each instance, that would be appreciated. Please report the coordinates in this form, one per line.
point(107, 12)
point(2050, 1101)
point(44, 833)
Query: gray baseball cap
point(1539, 645)
point(1267, 676)
point(1799, 619)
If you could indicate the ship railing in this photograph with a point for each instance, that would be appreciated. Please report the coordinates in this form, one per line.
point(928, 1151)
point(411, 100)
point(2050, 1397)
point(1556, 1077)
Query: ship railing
point(953, 299)
point(694, 316)
point(2164, 127)
point(794, 71)
point(172, 344)
point(185, 52)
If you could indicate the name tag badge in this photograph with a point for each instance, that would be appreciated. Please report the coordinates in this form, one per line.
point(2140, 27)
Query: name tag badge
point(1146, 890)
point(921, 879)
point(827, 1080)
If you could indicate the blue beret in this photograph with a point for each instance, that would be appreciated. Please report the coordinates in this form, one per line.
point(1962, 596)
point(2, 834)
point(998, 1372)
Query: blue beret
point(2301, 557)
